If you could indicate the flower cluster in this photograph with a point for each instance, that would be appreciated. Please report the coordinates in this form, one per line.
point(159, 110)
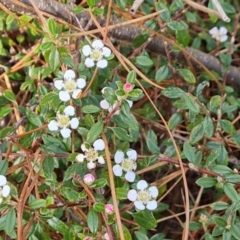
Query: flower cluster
point(219, 34)
point(144, 196)
point(64, 122)
point(91, 154)
point(4, 188)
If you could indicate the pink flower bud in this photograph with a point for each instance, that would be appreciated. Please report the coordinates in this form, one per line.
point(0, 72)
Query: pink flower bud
point(109, 209)
point(106, 236)
point(87, 238)
point(203, 218)
point(88, 179)
point(127, 87)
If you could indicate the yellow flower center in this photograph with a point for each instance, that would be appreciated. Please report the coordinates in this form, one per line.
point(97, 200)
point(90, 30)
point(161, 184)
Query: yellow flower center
point(144, 196)
point(91, 155)
point(63, 120)
point(70, 85)
point(96, 55)
point(128, 165)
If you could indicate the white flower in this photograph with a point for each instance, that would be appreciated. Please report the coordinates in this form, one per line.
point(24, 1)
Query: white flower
point(219, 34)
point(91, 154)
point(145, 197)
point(70, 86)
point(64, 121)
point(4, 188)
point(96, 54)
point(126, 165)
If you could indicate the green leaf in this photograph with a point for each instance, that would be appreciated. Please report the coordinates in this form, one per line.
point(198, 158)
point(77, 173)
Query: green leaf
point(140, 235)
point(95, 131)
point(208, 126)
point(231, 192)
point(90, 109)
point(227, 126)
point(235, 231)
point(215, 101)
point(191, 104)
point(219, 206)
point(46, 46)
point(126, 233)
point(183, 38)
point(48, 165)
point(165, 15)
point(174, 120)
point(58, 225)
point(162, 73)
point(145, 219)
point(196, 134)
point(51, 26)
point(131, 77)
point(4, 111)
point(219, 221)
point(76, 168)
point(201, 86)
point(151, 141)
point(187, 75)
point(144, 61)
point(121, 134)
point(121, 193)
point(99, 183)
point(33, 118)
point(189, 151)
point(10, 221)
point(173, 92)
point(9, 95)
point(206, 182)
point(99, 207)
point(177, 25)
point(233, 178)
point(37, 203)
point(54, 59)
point(210, 160)
point(92, 220)
point(91, 3)
point(3, 167)
point(7, 131)
point(69, 193)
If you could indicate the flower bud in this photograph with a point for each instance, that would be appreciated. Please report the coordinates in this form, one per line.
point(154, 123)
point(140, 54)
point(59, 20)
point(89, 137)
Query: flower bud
point(127, 87)
point(109, 209)
point(88, 179)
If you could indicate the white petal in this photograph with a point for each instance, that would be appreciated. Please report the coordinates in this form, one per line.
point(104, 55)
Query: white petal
point(76, 93)
point(153, 191)
point(223, 38)
point(132, 154)
point(69, 75)
point(117, 170)
point(86, 50)
point(130, 103)
point(213, 31)
point(81, 83)
point(80, 157)
point(117, 112)
point(91, 165)
point(119, 156)
point(102, 91)
point(106, 52)
point(142, 184)
point(104, 104)
point(83, 147)
point(69, 110)
point(130, 176)
point(101, 160)
point(64, 96)
point(132, 195)
point(97, 44)
point(98, 145)
point(59, 84)
point(89, 62)
point(139, 205)
point(3, 180)
point(223, 31)
point(151, 205)
point(66, 132)
point(74, 123)
point(5, 191)
point(52, 126)
point(102, 63)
